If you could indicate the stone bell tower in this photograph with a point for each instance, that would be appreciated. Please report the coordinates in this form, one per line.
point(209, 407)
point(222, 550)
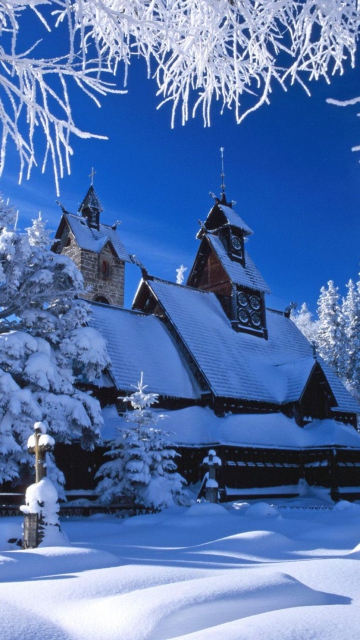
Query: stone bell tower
point(95, 248)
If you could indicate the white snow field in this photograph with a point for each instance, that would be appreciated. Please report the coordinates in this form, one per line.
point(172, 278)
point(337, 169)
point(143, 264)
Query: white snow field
point(208, 572)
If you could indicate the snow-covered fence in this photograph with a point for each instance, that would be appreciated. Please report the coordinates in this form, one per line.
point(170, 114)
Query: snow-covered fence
point(312, 507)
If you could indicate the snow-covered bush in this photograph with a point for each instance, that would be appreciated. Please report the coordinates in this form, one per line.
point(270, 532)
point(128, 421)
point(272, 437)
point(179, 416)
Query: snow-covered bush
point(43, 344)
point(142, 463)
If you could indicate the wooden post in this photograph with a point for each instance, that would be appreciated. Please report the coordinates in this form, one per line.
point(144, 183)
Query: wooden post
point(40, 453)
point(31, 531)
point(33, 522)
point(334, 488)
point(212, 462)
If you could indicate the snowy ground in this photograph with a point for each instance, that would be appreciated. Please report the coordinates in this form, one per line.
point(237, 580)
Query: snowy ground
point(205, 572)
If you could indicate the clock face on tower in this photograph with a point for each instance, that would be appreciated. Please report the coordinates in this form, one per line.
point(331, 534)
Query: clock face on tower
point(236, 244)
point(249, 312)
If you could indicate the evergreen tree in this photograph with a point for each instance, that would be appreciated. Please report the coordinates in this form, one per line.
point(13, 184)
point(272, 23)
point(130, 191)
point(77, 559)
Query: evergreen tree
point(351, 315)
point(336, 333)
point(303, 318)
point(43, 345)
point(142, 463)
point(331, 329)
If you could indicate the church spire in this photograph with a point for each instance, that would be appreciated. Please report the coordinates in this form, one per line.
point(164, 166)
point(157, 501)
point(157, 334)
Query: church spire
point(222, 186)
point(91, 207)
point(222, 200)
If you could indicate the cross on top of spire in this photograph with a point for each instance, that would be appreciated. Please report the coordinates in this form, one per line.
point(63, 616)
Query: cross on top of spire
point(91, 176)
point(222, 186)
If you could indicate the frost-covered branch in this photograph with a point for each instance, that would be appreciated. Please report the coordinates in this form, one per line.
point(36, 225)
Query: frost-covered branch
point(197, 50)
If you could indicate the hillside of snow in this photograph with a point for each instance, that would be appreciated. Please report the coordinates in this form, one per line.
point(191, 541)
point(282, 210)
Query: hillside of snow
point(235, 572)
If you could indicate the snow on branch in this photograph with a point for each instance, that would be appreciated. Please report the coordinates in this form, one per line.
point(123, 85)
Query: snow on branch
point(44, 346)
point(197, 50)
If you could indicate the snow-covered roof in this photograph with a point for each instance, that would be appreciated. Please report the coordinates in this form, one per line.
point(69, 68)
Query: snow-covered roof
point(247, 276)
point(344, 399)
point(234, 219)
point(137, 343)
point(239, 365)
point(91, 239)
point(200, 426)
point(297, 374)
point(91, 201)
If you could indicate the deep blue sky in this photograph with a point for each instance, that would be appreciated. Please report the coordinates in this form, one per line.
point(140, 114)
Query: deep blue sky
point(289, 166)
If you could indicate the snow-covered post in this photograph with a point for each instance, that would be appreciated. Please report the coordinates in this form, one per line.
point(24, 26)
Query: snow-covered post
point(39, 444)
point(334, 488)
point(212, 462)
point(41, 509)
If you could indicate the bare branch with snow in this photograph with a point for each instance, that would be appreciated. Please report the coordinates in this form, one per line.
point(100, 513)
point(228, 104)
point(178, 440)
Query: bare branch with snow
point(197, 50)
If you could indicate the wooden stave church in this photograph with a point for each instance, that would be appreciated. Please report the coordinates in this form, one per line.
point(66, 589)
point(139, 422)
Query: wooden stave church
point(231, 373)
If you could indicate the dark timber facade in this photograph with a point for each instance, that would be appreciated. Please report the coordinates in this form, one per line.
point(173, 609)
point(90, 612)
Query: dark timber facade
point(231, 372)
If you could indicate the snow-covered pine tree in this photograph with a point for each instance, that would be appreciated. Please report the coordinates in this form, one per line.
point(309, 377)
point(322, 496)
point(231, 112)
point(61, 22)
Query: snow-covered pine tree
point(351, 314)
point(303, 318)
point(336, 332)
point(43, 345)
point(331, 329)
point(142, 463)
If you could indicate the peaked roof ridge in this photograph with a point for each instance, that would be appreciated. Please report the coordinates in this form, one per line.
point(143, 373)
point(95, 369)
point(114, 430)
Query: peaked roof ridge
point(109, 226)
point(234, 220)
point(177, 284)
point(115, 307)
point(74, 215)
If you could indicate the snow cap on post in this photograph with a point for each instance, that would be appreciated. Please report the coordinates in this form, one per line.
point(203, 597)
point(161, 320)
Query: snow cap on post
point(40, 427)
point(212, 459)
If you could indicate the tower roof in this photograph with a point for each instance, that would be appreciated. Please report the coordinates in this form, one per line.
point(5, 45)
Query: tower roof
point(246, 275)
point(222, 214)
point(91, 201)
point(91, 239)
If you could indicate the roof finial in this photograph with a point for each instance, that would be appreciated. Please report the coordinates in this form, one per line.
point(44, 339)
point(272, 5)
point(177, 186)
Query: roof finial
point(91, 176)
point(222, 186)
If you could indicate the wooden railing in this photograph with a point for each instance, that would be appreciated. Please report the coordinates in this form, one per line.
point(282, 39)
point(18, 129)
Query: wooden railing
point(10, 506)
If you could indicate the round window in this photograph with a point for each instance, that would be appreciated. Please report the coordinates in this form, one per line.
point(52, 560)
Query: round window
point(242, 299)
point(255, 320)
point(243, 316)
point(255, 302)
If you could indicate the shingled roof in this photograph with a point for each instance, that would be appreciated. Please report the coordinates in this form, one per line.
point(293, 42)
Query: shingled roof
point(223, 214)
point(247, 276)
point(234, 219)
point(238, 365)
point(91, 239)
point(138, 343)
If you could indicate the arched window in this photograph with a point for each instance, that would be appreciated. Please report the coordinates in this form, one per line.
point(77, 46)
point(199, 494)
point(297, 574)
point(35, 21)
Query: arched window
point(68, 242)
point(105, 269)
point(101, 299)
